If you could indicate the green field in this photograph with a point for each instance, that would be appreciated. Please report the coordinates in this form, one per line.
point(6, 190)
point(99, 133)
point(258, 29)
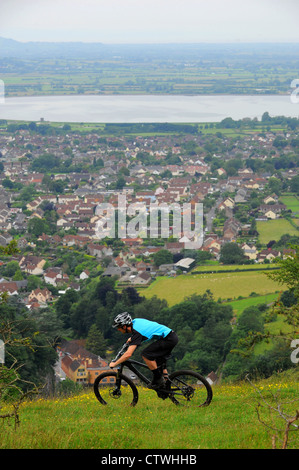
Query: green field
point(274, 229)
point(239, 305)
point(292, 202)
point(81, 422)
point(223, 285)
point(213, 268)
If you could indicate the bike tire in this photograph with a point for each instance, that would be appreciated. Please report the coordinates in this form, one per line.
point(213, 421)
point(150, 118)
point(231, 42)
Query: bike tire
point(189, 388)
point(110, 386)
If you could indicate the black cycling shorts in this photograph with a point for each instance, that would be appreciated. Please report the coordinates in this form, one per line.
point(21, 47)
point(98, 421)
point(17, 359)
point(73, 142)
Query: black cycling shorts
point(161, 347)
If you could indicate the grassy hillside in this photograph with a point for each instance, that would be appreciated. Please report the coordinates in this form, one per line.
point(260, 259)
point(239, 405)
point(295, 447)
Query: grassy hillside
point(240, 305)
point(223, 285)
point(274, 229)
point(230, 422)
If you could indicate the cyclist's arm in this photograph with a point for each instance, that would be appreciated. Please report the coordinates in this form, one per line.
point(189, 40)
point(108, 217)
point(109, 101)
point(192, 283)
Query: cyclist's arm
point(124, 357)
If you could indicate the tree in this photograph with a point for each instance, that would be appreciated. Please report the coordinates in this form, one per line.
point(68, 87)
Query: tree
point(294, 184)
point(150, 308)
point(29, 357)
point(63, 306)
point(38, 226)
point(251, 320)
point(131, 296)
point(11, 268)
point(275, 185)
point(120, 183)
point(163, 257)
point(232, 253)
point(288, 274)
point(95, 341)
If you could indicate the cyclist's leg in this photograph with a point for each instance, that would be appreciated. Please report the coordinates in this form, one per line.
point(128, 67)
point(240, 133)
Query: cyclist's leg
point(160, 348)
point(151, 364)
point(150, 356)
point(156, 350)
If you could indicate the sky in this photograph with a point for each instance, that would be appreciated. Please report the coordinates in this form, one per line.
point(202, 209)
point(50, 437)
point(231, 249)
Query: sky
point(150, 21)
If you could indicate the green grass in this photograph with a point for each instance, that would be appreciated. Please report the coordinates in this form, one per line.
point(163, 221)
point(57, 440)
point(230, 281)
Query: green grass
point(239, 305)
point(216, 267)
point(274, 229)
point(278, 326)
point(291, 202)
point(81, 422)
point(223, 285)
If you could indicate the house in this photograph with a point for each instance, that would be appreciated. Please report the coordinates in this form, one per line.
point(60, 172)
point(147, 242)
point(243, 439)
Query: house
point(228, 203)
point(288, 252)
point(143, 278)
point(65, 198)
point(167, 268)
point(114, 271)
point(5, 239)
point(99, 250)
point(20, 222)
point(268, 254)
point(221, 171)
point(120, 262)
point(270, 214)
point(10, 287)
point(50, 278)
point(75, 240)
point(245, 172)
point(272, 210)
point(79, 364)
point(32, 264)
point(240, 196)
point(74, 370)
point(84, 275)
point(249, 251)
point(174, 247)
point(270, 199)
point(55, 277)
point(213, 246)
point(33, 205)
point(41, 295)
point(212, 378)
point(141, 266)
point(231, 229)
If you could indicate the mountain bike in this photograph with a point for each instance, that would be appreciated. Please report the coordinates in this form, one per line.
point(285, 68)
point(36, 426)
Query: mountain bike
point(182, 387)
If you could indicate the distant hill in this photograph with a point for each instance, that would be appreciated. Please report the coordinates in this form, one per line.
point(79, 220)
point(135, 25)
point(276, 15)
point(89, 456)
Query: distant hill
point(33, 50)
point(248, 52)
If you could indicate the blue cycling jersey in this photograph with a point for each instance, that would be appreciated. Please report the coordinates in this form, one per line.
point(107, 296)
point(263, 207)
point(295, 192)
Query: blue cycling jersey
point(150, 329)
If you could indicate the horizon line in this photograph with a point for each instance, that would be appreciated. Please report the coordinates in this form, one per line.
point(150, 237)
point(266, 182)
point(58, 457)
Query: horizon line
point(234, 42)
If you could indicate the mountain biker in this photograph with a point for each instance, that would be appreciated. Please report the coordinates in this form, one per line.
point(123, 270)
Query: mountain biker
point(144, 330)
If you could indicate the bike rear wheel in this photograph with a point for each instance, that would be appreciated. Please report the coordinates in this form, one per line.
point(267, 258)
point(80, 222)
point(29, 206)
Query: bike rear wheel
point(189, 388)
point(113, 386)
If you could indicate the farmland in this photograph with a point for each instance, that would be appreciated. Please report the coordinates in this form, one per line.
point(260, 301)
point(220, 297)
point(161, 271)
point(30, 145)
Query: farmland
point(222, 285)
point(47, 68)
point(292, 203)
point(274, 229)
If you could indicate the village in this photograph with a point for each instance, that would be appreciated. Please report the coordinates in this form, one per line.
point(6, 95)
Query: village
point(51, 212)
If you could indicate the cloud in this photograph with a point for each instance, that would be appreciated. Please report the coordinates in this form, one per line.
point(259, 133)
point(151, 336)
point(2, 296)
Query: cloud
point(150, 20)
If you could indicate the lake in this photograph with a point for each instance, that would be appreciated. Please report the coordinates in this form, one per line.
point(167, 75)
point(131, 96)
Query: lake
point(145, 108)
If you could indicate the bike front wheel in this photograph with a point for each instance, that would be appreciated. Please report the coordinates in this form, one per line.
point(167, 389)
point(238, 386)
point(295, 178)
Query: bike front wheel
point(189, 388)
point(113, 386)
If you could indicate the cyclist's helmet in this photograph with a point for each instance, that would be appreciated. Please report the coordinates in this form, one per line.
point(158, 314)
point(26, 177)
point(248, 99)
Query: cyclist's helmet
point(122, 319)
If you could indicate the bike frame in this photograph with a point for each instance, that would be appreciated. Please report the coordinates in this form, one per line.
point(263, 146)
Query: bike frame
point(130, 365)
